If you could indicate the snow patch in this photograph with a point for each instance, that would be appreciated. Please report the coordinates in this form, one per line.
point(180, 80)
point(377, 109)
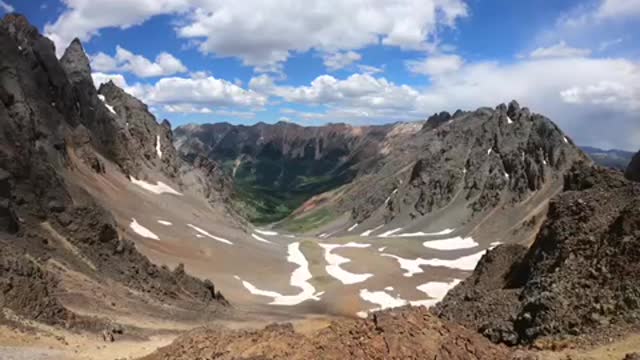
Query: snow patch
point(443, 232)
point(456, 243)
point(382, 299)
point(199, 236)
point(261, 239)
point(467, 263)
point(203, 232)
point(159, 188)
point(142, 231)
point(566, 140)
point(299, 278)
point(489, 151)
point(437, 290)
point(389, 288)
point(390, 232)
point(266, 232)
point(104, 101)
point(507, 176)
point(335, 261)
point(509, 121)
point(368, 232)
point(158, 147)
point(382, 249)
point(165, 223)
point(352, 227)
point(411, 266)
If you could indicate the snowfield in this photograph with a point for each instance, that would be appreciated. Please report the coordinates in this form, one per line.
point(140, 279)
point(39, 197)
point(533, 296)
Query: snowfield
point(159, 188)
point(216, 238)
point(334, 261)
point(142, 231)
point(456, 243)
point(299, 278)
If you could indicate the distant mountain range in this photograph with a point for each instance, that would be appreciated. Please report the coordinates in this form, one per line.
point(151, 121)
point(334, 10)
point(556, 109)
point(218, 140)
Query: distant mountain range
point(617, 159)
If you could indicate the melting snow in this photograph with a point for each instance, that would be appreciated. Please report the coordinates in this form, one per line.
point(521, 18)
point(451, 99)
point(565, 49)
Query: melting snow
point(390, 232)
point(335, 261)
point(382, 249)
point(261, 239)
point(456, 243)
point(509, 121)
point(142, 231)
point(437, 290)
point(165, 223)
point(102, 98)
point(158, 147)
point(489, 151)
point(382, 299)
point(203, 232)
point(299, 278)
point(443, 232)
point(414, 266)
point(368, 232)
point(266, 232)
point(159, 188)
point(352, 227)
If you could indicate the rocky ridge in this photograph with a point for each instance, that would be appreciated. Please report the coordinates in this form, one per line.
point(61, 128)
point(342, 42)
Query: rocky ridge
point(576, 279)
point(49, 109)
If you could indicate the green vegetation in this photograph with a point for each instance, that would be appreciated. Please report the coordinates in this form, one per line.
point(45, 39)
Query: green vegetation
point(269, 190)
point(309, 221)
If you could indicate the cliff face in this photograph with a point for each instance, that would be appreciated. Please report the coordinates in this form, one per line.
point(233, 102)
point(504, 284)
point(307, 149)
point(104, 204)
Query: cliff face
point(577, 277)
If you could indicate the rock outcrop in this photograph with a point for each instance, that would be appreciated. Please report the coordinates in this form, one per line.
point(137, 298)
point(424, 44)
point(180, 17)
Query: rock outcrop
point(578, 278)
point(633, 170)
point(408, 333)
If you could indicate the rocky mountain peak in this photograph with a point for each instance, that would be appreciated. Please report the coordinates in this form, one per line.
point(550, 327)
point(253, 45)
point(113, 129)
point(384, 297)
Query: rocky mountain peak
point(633, 170)
point(76, 62)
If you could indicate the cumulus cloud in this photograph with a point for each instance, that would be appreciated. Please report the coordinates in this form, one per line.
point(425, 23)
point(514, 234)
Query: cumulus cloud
point(341, 59)
point(608, 93)
point(85, 18)
point(263, 34)
point(618, 8)
point(560, 49)
point(6, 7)
point(125, 61)
point(435, 65)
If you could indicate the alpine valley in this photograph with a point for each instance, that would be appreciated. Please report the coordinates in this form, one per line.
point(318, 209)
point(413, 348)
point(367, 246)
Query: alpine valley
point(482, 234)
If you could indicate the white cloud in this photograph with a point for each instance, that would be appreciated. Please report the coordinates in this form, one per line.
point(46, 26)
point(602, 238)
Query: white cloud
point(369, 69)
point(558, 50)
point(618, 9)
point(186, 109)
point(263, 34)
point(341, 59)
point(604, 45)
point(125, 61)
point(356, 91)
point(84, 18)
point(6, 7)
point(435, 65)
point(608, 93)
point(208, 90)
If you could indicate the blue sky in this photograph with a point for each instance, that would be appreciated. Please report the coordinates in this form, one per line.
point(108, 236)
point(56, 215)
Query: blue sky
point(363, 61)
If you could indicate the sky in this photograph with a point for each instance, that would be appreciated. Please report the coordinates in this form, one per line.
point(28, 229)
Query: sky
point(363, 61)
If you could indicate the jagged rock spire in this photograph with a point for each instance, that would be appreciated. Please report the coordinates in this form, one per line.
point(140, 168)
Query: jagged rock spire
point(76, 63)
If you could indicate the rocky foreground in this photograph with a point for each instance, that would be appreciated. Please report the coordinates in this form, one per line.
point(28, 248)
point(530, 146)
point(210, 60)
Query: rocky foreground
point(407, 333)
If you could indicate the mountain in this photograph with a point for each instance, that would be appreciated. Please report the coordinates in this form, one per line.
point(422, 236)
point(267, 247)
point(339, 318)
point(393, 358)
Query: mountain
point(275, 168)
point(489, 168)
point(577, 278)
point(616, 159)
point(65, 155)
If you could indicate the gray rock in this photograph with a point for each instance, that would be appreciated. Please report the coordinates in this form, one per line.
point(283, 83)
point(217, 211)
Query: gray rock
point(633, 170)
